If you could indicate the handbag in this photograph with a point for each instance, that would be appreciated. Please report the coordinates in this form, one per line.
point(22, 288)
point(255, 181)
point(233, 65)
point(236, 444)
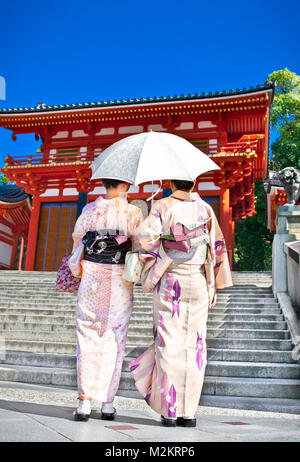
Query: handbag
point(133, 267)
point(74, 261)
point(65, 280)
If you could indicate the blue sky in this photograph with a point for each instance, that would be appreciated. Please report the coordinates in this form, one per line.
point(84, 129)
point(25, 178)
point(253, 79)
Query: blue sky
point(72, 51)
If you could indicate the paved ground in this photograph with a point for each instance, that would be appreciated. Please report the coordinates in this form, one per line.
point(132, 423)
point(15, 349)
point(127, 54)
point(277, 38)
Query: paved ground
point(31, 413)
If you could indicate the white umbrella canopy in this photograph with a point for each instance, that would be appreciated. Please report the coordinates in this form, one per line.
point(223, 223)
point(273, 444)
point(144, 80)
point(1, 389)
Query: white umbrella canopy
point(151, 156)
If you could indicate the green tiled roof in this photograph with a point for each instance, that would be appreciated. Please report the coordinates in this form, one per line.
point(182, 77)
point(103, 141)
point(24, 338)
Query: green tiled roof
point(43, 107)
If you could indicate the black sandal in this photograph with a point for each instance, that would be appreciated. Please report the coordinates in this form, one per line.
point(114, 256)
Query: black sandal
point(168, 422)
point(108, 415)
point(79, 417)
point(183, 422)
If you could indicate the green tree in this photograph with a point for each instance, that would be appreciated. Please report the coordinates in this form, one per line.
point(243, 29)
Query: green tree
point(3, 179)
point(285, 119)
point(253, 240)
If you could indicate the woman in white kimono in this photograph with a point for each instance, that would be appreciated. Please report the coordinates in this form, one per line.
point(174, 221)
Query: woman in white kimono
point(108, 229)
point(185, 261)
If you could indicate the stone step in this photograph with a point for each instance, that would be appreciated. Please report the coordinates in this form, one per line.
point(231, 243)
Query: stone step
point(238, 386)
point(255, 355)
point(252, 369)
point(247, 333)
point(224, 315)
point(60, 348)
point(142, 311)
point(47, 345)
point(71, 303)
point(244, 289)
point(71, 313)
point(68, 323)
point(34, 304)
point(250, 298)
point(214, 368)
point(38, 375)
point(68, 336)
point(240, 310)
point(38, 335)
point(239, 357)
point(237, 280)
point(25, 358)
point(25, 318)
point(50, 278)
point(213, 385)
point(37, 312)
point(227, 352)
point(37, 327)
point(136, 316)
point(239, 296)
point(221, 306)
point(64, 329)
point(249, 344)
point(38, 296)
point(223, 295)
point(244, 369)
point(41, 346)
point(260, 325)
point(139, 334)
point(263, 321)
point(244, 317)
point(265, 404)
point(252, 387)
point(51, 275)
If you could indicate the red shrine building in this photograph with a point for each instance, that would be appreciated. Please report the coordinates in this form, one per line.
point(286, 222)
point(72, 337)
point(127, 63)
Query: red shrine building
point(231, 127)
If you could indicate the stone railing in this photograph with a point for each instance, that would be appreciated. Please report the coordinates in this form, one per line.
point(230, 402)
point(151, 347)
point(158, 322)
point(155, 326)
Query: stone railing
point(292, 251)
point(286, 271)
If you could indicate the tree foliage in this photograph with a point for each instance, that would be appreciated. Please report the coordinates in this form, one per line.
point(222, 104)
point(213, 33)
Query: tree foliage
point(3, 179)
point(253, 240)
point(285, 119)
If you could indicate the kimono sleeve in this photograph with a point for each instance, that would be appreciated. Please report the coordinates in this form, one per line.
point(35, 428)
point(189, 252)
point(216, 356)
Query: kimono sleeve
point(222, 272)
point(135, 224)
point(152, 254)
point(80, 229)
point(151, 230)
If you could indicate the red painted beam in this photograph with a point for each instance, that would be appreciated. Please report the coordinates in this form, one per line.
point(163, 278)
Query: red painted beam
point(32, 234)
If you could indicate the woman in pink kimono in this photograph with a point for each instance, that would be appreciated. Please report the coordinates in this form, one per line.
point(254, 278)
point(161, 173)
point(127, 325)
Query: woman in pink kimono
point(107, 228)
point(185, 262)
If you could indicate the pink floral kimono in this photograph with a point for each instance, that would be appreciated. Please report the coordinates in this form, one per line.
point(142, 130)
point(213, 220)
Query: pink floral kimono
point(105, 302)
point(185, 262)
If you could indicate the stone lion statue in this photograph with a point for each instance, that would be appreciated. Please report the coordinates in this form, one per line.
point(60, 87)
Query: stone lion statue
point(290, 180)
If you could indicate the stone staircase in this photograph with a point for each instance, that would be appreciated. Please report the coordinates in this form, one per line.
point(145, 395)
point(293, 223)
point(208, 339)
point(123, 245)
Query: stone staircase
point(250, 365)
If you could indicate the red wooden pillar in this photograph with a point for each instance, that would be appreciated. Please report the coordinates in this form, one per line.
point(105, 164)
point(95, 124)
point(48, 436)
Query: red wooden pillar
point(226, 222)
point(21, 254)
point(32, 234)
point(14, 250)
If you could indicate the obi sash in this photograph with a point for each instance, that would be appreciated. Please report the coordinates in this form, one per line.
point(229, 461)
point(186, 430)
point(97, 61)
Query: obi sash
point(106, 246)
point(183, 238)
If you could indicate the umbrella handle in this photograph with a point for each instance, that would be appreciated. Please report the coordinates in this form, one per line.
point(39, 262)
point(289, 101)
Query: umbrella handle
point(156, 192)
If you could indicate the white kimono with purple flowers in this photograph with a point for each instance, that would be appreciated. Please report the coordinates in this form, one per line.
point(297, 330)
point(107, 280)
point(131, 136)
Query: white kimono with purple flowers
point(170, 373)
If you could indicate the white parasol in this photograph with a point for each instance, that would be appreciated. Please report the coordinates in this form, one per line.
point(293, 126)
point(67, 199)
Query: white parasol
point(151, 156)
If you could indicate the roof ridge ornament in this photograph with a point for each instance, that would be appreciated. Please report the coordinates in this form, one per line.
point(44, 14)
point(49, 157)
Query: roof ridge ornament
point(41, 106)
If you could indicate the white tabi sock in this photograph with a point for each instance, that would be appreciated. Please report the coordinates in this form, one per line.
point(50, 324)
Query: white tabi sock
point(189, 418)
point(108, 408)
point(84, 406)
